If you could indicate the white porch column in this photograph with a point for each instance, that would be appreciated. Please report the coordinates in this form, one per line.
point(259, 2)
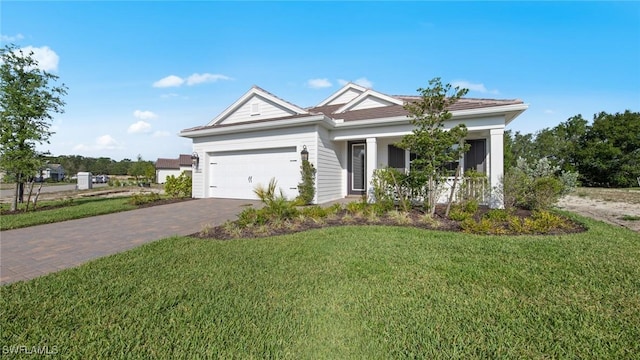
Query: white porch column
point(496, 166)
point(372, 164)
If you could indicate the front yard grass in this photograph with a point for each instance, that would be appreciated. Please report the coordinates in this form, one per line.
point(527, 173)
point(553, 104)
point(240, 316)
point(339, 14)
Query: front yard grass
point(62, 210)
point(371, 292)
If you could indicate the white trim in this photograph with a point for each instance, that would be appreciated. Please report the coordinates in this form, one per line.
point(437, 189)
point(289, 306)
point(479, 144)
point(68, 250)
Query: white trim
point(366, 94)
point(255, 91)
point(246, 127)
point(343, 90)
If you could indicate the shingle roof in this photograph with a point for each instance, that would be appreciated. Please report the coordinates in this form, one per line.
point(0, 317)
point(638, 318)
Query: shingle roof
point(398, 110)
point(183, 160)
point(373, 113)
point(167, 164)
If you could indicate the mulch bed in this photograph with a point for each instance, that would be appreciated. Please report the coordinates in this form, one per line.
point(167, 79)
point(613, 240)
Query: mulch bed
point(344, 219)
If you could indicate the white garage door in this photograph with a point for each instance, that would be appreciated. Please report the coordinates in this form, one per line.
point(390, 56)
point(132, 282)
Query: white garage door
point(234, 174)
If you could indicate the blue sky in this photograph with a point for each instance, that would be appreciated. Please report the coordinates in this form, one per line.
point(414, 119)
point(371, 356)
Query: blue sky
point(139, 72)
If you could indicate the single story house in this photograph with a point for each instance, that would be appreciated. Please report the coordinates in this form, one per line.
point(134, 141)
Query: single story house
point(175, 167)
point(347, 136)
point(52, 171)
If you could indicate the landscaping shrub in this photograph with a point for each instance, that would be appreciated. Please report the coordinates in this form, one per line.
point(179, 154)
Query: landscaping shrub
point(141, 199)
point(276, 205)
point(497, 215)
point(315, 212)
point(536, 186)
point(177, 187)
point(307, 188)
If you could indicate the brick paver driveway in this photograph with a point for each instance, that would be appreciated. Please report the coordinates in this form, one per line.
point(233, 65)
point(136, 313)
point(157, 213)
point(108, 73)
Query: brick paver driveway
point(38, 250)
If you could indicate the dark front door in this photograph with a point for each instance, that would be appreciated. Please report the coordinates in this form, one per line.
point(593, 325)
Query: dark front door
point(356, 181)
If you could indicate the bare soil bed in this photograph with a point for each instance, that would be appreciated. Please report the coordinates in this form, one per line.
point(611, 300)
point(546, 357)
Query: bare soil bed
point(614, 206)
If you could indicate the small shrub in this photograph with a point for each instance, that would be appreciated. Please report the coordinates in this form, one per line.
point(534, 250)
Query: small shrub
point(400, 217)
point(484, 226)
point(471, 206)
point(232, 229)
point(307, 188)
point(276, 205)
point(459, 214)
point(497, 215)
point(206, 230)
point(543, 221)
point(141, 199)
point(177, 187)
point(315, 212)
point(356, 207)
point(334, 209)
point(250, 217)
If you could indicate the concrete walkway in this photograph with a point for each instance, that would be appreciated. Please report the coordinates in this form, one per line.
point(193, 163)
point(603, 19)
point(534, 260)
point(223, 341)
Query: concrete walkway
point(38, 250)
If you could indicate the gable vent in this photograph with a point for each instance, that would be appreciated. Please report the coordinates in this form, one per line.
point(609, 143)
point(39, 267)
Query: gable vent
point(255, 109)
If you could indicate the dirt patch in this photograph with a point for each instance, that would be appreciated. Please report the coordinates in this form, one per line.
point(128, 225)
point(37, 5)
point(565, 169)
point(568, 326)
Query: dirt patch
point(596, 206)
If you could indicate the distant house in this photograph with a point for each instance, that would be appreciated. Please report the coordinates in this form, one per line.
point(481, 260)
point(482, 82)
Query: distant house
point(52, 171)
point(166, 167)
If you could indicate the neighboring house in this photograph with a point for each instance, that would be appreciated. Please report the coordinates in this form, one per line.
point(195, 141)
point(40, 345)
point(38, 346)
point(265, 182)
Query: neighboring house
point(166, 167)
point(52, 171)
point(348, 136)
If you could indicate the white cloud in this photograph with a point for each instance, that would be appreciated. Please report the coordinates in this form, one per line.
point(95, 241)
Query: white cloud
point(170, 95)
point(161, 133)
point(195, 79)
point(47, 59)
point(363, 81)
point(9, 38)
point(319, 83)
point(169, 81)
point(144, 115)
point(139, 127)
point(107, 142)
point(104, 142)
point(549, 111)
point(477, 87)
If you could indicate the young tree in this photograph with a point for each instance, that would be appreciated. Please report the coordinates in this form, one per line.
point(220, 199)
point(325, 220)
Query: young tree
point(434, 146)
point(27, 101)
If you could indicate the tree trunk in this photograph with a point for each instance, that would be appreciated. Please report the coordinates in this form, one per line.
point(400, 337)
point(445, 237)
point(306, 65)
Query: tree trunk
point(432, 196)
point(21, 191)
point(453, 190)
point(29, 196)
point(35, 199)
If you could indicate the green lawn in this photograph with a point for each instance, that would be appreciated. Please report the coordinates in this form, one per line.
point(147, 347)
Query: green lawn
point(345, 292)
point(75, 209)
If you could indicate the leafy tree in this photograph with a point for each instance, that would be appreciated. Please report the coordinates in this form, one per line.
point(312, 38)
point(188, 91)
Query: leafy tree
point(609, 151)
point(518, 146)
point(434, 146)
point(142, 170)
point(27, 101)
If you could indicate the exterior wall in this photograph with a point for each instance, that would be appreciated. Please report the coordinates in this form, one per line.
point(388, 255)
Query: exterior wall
point(163, 174)
point(370, 102)
point(265, 139)
point(346, 97)
point(330, 177)
point(267, 110)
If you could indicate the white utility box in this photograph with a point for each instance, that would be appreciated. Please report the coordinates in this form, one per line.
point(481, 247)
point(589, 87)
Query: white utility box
point(84, 181)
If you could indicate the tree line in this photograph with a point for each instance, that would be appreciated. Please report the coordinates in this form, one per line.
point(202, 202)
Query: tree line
point(73, 164)
point(605, 153)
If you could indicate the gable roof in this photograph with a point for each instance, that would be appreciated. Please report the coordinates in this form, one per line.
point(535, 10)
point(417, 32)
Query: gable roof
point(355, 103)
point(349, 87)
point(256, 91)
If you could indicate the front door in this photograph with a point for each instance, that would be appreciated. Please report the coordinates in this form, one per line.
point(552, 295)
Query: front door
point(356, 181)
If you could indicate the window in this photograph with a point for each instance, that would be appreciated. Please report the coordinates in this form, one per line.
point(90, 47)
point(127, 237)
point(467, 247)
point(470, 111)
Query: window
point(474, 159)
point(396, 157)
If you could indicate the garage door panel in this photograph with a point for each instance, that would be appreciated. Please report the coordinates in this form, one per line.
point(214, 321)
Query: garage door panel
point(235, 174)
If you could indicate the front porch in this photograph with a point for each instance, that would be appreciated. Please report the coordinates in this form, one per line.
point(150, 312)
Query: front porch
point(362, 156)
